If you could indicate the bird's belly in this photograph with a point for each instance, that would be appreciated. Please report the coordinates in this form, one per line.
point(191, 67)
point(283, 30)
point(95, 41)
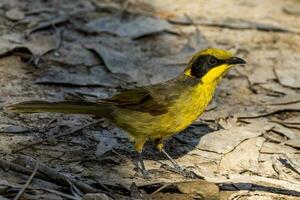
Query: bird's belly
point(145, 125)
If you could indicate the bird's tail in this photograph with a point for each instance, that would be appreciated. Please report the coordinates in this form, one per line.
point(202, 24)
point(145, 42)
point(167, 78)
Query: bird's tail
point(68, 107)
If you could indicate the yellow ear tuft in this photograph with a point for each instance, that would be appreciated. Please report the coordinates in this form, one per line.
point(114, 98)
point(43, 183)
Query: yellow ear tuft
point(188, 72)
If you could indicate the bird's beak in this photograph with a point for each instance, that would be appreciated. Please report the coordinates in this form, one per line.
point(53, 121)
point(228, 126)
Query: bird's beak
point(235, 60)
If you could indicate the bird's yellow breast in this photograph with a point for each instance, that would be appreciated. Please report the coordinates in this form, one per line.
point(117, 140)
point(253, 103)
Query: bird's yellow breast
point(189, 106)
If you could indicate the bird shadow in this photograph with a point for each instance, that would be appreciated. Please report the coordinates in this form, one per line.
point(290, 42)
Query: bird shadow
point(180, 144)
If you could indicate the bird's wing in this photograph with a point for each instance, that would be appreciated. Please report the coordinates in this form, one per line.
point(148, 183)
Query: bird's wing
point(141, 99)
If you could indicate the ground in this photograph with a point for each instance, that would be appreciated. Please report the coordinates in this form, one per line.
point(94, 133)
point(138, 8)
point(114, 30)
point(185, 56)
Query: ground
point(245, 146)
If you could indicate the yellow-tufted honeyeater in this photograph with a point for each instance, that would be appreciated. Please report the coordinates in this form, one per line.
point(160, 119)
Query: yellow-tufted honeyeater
point(153, 112)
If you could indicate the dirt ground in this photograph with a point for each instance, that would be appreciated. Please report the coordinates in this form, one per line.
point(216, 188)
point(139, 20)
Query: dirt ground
point(246, 146)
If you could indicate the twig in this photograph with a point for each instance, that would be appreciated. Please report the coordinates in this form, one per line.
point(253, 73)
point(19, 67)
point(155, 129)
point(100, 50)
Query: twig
point(58, 193)
point(261, 184)
point(236, 24)
point(20, 193)
point(288, 125)
point(57, 177)
point(161, 188)
point(50, 23)
point(44, 173)
point(246, 193)
point(6, 165)
point(287, 162)
point(17, 186)
point(56, 136)
point(39, 11)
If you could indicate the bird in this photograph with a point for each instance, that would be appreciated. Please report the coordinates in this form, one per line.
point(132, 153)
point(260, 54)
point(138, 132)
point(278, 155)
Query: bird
point(153, 112)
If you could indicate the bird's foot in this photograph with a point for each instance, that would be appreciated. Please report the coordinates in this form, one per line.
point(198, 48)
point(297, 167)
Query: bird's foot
point(188, 174)
point(177, 168)
point(145, 174)
point(180, 170)
point(141, 166)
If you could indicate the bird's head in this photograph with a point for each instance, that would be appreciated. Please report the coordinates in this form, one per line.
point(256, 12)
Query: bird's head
point(210, 65)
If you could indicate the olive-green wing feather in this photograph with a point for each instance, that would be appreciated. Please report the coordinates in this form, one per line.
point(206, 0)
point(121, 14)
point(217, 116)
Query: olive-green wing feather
point(139, 99)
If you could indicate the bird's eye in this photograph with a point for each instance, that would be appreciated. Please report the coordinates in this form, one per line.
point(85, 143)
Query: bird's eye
point(212, 60)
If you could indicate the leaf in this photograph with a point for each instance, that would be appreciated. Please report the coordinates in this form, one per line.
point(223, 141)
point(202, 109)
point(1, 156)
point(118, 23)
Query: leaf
point(106, 144)
point(14, 14)
point(284, 107)
point(294, 142)
point(293, 9)
point(243, 157)
point(272, 109)
point(271, 183)
point(270, 147)
point(95, 196)
point(8, 143)
point(261, 74)
point(129, 25)
point(12, 129)
point(78, 76)
point(124, 57)
point(37, 44)
point(224, 141)
point(287, 99)
point(71, 53)
point(206, 189)
point(273, 125)
point(260, 68)
point(232, 23)
point(276, 87)
point(289, 76)
point(287, 71)
point(196, 41)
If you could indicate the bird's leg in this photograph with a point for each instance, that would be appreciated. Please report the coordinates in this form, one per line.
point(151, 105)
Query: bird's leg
point(139, 144)
point(174, 163)
point(160, 147)
point(142, 167)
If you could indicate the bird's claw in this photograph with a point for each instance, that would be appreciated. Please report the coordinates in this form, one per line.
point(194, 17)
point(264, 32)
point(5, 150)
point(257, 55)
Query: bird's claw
point(177, 168)
point(145, 173)
point(180, 170)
